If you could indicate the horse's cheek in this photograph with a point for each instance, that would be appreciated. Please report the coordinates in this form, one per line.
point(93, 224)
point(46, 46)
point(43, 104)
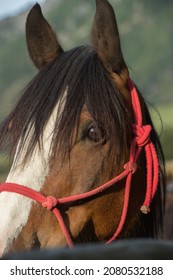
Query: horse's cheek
point(88, 162)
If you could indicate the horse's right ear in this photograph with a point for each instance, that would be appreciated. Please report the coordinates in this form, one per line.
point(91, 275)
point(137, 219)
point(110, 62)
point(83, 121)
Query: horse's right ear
point(41, 40)
point(106, 41)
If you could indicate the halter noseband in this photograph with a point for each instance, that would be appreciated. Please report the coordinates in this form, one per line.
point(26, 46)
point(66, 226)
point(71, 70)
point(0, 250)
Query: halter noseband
point(141, 140)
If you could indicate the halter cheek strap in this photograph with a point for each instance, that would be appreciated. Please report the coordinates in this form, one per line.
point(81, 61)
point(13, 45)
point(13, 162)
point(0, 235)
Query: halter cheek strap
point(140, 141)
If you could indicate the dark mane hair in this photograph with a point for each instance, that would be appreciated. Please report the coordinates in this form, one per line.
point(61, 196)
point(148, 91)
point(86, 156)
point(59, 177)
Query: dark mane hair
point(81, 73)
point(88, 83)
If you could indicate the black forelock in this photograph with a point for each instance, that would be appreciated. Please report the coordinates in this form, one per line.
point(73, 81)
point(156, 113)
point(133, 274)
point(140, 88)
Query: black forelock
point(82, 73)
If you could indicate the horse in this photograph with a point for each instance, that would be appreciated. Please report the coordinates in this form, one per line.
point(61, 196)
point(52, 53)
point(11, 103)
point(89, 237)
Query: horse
point(87, 163)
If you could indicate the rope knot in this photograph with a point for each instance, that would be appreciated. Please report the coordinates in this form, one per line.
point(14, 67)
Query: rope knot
point(50, 202)
point(142, 134)
point(131, 166)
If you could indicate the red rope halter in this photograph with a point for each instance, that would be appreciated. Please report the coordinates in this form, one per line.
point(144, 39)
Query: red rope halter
point(141, 140)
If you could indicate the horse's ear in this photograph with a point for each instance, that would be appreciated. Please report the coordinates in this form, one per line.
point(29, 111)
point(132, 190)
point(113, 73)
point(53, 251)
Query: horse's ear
point(41, 40)
point(106, 41)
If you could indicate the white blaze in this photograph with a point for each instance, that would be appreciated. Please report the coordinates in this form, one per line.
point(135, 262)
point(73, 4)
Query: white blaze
point(14, 208)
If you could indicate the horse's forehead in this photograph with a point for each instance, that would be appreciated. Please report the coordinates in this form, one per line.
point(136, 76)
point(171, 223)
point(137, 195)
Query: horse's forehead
point(85, 114)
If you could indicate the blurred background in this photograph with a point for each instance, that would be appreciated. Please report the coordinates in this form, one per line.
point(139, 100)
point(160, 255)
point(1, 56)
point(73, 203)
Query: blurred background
point(146, 30)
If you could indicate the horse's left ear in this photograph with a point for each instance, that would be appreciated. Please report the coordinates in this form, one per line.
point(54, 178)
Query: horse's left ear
point(106, 41)
point(41, 40)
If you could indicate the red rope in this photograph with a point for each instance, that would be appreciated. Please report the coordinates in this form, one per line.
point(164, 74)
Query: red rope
point(124, 211)
point(142, 133)
point(141, 139)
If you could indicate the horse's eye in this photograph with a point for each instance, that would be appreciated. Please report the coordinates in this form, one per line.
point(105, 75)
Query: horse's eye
point(95, 134)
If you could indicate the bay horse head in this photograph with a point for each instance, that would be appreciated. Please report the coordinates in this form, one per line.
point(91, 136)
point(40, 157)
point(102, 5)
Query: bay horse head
point(83, 146)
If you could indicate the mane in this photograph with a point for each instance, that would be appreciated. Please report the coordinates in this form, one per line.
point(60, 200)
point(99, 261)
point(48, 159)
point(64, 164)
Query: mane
point(80, 74)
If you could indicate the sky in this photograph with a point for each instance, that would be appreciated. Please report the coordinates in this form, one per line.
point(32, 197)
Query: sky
point(12, 7)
